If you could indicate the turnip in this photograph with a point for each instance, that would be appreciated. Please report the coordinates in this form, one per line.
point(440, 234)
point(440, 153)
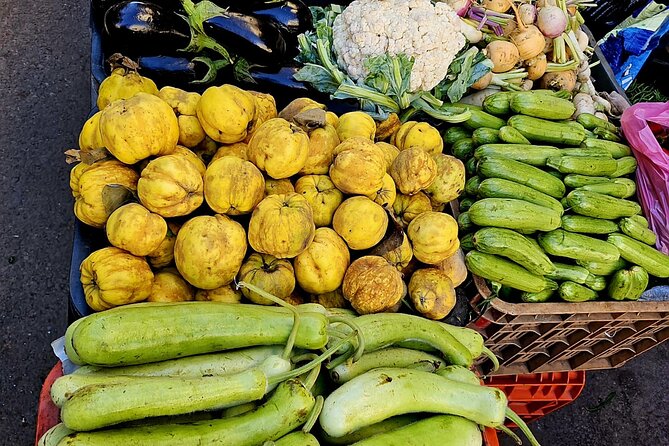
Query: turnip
point(527, 38)
point(583, 40)
point(509, 27)
point(544, 3)
point(504, 55)
point(536, 67)
point(561, 80)
point(483, 82)
point(552, 21)
point(528, 13)
point(496, 5)
point(472, 34)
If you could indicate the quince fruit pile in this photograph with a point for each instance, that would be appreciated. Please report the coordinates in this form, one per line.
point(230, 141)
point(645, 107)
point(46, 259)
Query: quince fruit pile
point(195, 192)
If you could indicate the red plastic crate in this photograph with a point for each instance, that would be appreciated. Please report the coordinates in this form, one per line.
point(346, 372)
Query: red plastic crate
point(48, 414)
point(537, 394)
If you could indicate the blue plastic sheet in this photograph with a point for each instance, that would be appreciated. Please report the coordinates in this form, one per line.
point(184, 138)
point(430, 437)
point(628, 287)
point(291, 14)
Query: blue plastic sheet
point(630, 44)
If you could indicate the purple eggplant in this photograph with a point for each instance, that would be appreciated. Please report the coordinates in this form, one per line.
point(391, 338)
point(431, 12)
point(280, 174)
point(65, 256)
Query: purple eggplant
point(180, 71)
point(291, 16)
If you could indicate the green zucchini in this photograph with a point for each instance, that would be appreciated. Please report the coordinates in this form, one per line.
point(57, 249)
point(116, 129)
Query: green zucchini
point(471, 166)
point(616, 150)
point(480, 119)
point(472, 186)
point(522, 173)
point(603, 268)
point(578, 247)
point(498, 103)
point(637, 230)
point(606, 134)
point(573, 292)
point(463, 148)
point(575, 181)
point(286, 409)
point(467, 242)
point(593, 204)
point(541, 130)
point(626, 166)
point(640, 220)
point(451, 431)
point(584, 151)
point(465, 223)
point(540, 297)
point(591, 122)
point(453, 134)
point(137, 334)
point(572, 273)
point(541, 106)
point(387, 357)
point(506, 272)
point(588, 225)
point(618, 188)
point(513, 214)
point(297, 438)
point(501, 188)
point(628, 284)
point(512, 136)
point(583, 165)
point(526, 153)
point(466, 203)
point(638, 253)
point(596, 283)
point(506, 243)
point(363, 433)
point(484, 135)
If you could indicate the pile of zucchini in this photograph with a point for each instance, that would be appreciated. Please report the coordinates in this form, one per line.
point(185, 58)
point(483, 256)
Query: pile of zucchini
point(549, 203)
point(214, 373)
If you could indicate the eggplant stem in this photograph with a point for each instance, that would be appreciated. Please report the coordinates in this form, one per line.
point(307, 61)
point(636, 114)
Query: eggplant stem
point(513, 416)
point(314, 414)
point(490, 355)
point(296, 315)
point(511, 434)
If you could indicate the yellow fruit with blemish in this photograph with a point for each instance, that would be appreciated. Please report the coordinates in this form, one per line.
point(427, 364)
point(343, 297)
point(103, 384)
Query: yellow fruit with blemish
point(322, 142)
point(390, 152)
point(356, 124)
point(111, 277)
point(450, 180)
point(358, 167)
point(434, 237)
point(192, 157)
point(123, 83)
point(277, 187)
point(137, 128)
point(321, 267)
point(282, 225)
point(171, 186)
point(169, 286)
point(322, 195)
point(432, 293)
point(135, 229)
point(164, 254)
point(360, 222)
point(372, 285)
point(233, 186)
point(227, 293)
point(184, 104)
point(209, 250)
point(420, 135)
point(272, 275)
point(408, 207)
point(90, 137)
point(413, 170)
point(237, 149)
point(387, 194)
point(279, 148)
point(226, 113)
point(88, 188)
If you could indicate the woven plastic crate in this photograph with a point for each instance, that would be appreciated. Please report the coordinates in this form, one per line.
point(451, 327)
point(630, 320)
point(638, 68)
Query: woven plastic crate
point(550, 337)
point(534, 395)
point(48, 414)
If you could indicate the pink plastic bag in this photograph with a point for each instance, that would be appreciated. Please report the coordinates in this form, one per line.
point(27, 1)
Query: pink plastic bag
point(653, 173)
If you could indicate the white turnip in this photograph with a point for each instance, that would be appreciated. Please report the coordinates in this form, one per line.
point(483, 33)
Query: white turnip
point(528, 13)
point(527, 38)
point(552, 21)
point(504, 55)
point(496, 5)
point(561, 80)
point(536, 67)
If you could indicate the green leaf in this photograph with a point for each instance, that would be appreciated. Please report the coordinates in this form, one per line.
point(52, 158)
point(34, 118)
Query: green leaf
point(391, 75)
point(319, 78)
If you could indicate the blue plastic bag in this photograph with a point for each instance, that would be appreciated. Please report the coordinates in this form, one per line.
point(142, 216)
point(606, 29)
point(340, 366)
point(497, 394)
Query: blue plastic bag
point(629, 45)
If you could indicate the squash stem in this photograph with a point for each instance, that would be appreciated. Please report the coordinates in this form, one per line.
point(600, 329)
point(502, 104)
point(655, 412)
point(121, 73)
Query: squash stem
point(511, 434)
point(490, 355)
point(296, 315)
point(355, 327)
point(309, 366)
point(310, 380)
point(513, 416)
point(313, 415)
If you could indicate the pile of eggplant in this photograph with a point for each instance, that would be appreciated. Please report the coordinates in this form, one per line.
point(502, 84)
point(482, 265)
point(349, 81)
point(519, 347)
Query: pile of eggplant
point(190, 44)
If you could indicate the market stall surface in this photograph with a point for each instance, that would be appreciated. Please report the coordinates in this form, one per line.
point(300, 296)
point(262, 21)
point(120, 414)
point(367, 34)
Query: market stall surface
point(45, 99)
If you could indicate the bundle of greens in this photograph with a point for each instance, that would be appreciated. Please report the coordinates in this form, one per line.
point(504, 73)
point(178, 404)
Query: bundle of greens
point(386, 87)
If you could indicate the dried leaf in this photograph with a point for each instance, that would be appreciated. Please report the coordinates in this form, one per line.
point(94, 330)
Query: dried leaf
point(392, 240)
point(72, 156)
point(387, 128)
point(94, 155)
point(116, 195)
point(310, 119)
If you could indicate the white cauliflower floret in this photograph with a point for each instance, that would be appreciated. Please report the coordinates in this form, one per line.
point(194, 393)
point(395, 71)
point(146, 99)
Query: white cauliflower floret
point(428, 33)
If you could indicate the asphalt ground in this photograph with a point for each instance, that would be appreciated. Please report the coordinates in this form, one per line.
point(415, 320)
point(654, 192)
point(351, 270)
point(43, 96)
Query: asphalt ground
point(44, 100)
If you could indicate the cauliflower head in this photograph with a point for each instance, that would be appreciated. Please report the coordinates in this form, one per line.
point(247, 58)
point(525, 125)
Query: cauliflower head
point(430, 33)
